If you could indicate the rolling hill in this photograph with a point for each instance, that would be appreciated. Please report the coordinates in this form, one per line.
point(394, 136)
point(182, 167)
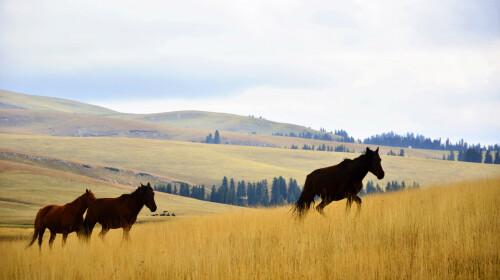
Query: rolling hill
point(183, 119)
point(13, 100)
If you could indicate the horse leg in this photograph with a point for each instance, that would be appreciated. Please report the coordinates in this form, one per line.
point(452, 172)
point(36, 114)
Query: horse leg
point(88, 228)
point(40, 238)
point(358, 202)
point(324, 202)
point(126, 235)
point(348, 206)
point(52, 237)
point(65, 235)
point(103, 232)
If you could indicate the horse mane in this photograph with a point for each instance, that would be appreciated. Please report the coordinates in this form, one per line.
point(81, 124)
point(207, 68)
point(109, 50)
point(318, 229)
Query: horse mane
point(350, 164)
point(136, 191)
point(81, 196)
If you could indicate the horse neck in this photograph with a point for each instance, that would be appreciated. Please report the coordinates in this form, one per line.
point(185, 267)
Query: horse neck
point(134, 202)
point(360, 168)
point(79, 204)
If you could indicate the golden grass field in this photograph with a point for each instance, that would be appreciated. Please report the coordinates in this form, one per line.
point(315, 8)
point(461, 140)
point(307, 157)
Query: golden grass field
point(441, 232)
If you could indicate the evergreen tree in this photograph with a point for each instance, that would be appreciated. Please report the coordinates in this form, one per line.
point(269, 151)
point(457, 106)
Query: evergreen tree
point(217, 137)
point(209, 139)
point(251, 195)
point(169, 188)
point(488, 158)
point(276, 195)
point(232, 193)
point(451, 156)
point(175, 189)
point(262, 193)
point(497, 158)
point(401, 153)
point(213, 194)
point(293, 191)
point(240, 193)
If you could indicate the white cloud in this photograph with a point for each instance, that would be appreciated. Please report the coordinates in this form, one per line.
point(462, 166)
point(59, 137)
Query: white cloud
point(368, 67)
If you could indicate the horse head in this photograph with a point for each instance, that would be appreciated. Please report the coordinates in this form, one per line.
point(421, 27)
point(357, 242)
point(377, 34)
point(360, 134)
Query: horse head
point(148, 196)
point(375, 165)
point(89, 197)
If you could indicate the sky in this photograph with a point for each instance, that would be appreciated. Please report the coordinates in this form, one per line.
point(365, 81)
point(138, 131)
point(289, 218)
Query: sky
point(430, 67)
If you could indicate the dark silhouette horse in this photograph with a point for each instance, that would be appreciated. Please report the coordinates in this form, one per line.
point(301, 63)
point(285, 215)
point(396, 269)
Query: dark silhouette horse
point(61, 219)
point(337, 182)
point(119, 212)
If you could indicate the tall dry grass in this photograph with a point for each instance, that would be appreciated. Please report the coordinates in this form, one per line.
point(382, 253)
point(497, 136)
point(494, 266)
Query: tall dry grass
point(443, 232)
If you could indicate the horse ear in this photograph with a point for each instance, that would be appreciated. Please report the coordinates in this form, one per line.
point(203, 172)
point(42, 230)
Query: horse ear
point(87, 191)
point(367, 149)
point(377, 150)
point(149, 185)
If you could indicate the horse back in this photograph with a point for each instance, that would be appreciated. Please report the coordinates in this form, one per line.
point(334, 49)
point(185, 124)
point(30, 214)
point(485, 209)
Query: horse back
point(109, 211)
point(328, 181)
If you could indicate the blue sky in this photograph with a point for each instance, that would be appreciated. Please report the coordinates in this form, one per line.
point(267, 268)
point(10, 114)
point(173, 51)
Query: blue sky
point(429, 67)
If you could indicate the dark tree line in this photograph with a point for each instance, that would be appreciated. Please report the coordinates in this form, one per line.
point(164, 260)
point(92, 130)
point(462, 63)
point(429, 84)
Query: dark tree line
point(371, 188)
point(241, 193)
point(323, 135)
point(323, 147)
point(421, 142)
point(475, 155)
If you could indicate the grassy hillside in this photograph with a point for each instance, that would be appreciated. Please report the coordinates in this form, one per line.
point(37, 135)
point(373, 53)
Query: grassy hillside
point(207, 164)
point(16, 121)
point(220, 121)
point(26, 188)
point(14, 100)
point(183, 119)
point(446, 232)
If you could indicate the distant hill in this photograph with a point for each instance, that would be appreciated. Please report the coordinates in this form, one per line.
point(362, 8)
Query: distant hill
point(13, 100)
point(220, 121)
point(184, 119)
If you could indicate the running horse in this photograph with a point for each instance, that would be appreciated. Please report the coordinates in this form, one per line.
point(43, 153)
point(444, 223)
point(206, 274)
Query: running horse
point(337, 182)
point(61, 219)
point(119, 212)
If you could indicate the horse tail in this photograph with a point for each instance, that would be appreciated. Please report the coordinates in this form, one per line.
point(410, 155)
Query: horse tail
point(305, 200)
point(38, 224)
point(35, 235)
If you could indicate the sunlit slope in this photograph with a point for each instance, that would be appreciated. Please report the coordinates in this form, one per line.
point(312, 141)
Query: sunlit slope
point(219, 121)
point(207, 164)
point(80, 125)
point(442, 232)
point(13, 100)
point(18, 121)
point(24, 189)
point(183, 119)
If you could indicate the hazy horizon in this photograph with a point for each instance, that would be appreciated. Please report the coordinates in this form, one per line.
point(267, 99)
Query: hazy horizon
point(427, 67)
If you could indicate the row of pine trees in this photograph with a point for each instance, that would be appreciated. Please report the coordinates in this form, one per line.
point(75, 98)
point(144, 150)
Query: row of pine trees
point(474, 155)
point(241, 193)
point(258, 194)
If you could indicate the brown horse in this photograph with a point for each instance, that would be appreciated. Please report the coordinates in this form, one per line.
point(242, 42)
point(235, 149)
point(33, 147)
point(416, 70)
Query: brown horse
point(337, 182)
point(61, 219)
point(119, 212)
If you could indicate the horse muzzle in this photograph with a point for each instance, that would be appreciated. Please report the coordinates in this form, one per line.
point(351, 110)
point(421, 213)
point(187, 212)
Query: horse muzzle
point(381, 176)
